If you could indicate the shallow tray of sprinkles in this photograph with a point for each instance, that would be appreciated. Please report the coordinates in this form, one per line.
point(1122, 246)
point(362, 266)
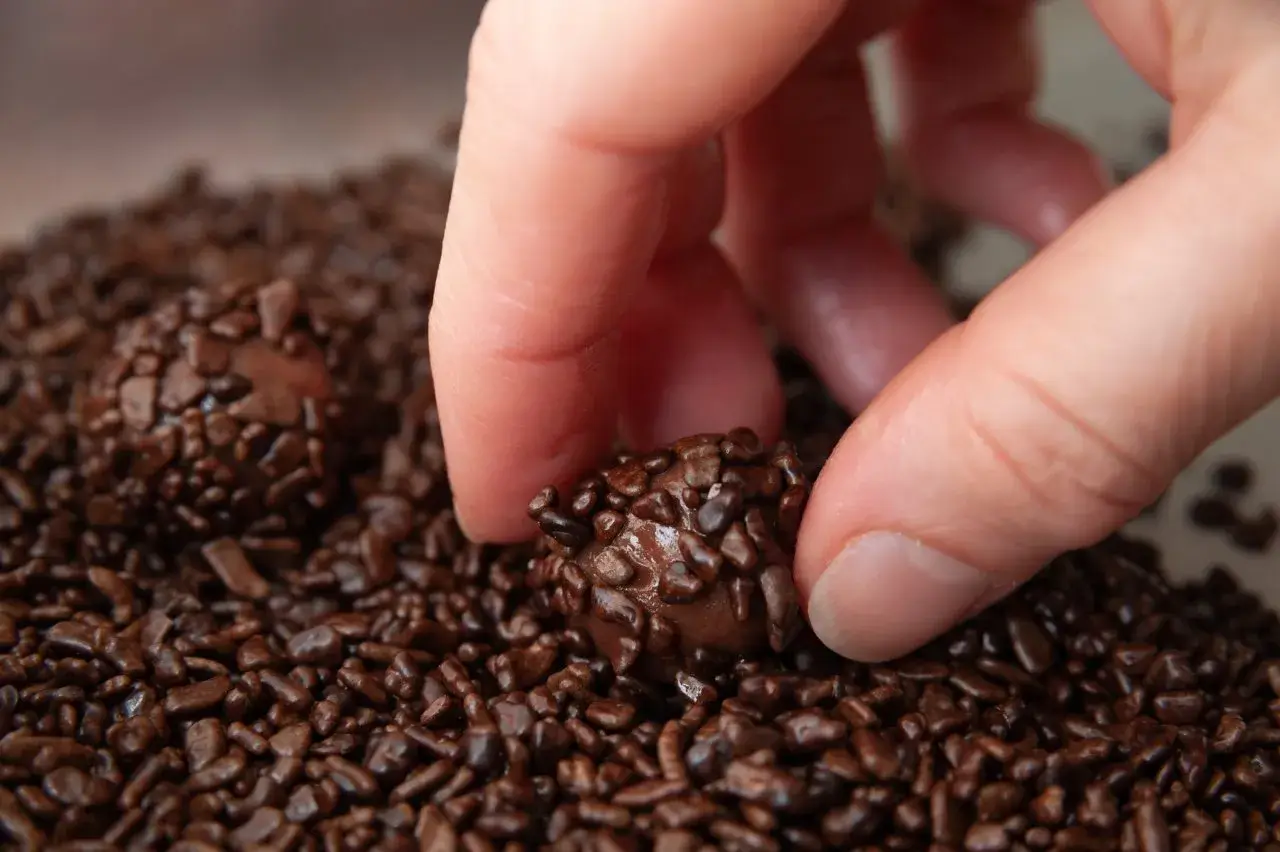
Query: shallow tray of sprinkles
point(236, 611)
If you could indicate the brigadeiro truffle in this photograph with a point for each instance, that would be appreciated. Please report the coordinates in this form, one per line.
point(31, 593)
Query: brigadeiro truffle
point(682, 551)
point(216, 411)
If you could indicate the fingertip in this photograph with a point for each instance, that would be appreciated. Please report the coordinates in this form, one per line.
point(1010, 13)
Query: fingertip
point(885, 594)
point(491, 503)
point(511, 430)
point(474, 528)
point(486, 523)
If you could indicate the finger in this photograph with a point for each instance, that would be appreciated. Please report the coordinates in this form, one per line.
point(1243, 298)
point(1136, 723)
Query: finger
point(805, 167)
point(574, 114)
point(694, 358)
point(967, 76)
point(1073, 395)
point(1139, 28)
point(1191, 52)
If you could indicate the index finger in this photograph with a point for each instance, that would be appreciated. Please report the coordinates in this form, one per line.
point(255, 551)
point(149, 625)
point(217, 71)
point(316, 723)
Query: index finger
point(575, 112)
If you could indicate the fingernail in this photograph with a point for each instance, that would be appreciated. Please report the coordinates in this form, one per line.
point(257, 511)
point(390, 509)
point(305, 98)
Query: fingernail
point(886, 594)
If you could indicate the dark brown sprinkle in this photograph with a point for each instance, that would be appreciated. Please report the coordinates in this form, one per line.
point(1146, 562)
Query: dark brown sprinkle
point(236, 610)
point(720, 509)
point(1256, 534)
point(679, 584)
point(1031, 645)
point(229, 562)
point(316, 645)
point(1233, 476)
point(613, 567)
point(782, 606)
point(607, 525)
point(196, 697)
point(1213, 512)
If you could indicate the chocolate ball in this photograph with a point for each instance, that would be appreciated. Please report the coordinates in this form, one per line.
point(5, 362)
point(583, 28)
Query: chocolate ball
point(681, 551)
point(219, 410)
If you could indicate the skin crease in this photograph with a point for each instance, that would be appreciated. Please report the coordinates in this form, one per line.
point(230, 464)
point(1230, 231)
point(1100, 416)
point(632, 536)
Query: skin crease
point(580, 291)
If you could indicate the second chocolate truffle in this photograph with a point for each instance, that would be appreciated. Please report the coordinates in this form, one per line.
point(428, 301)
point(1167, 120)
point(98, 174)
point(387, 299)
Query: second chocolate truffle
point(684, 550)
point(219, 408)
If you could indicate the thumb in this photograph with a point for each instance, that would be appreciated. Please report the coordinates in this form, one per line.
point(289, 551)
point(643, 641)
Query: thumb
point(1071, 397)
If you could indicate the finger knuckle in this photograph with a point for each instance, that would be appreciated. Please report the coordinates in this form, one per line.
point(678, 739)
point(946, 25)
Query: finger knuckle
point(1078, 475)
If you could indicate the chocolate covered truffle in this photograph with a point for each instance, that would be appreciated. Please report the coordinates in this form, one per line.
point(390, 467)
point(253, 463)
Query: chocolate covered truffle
point(681, 551)
point(219, 408)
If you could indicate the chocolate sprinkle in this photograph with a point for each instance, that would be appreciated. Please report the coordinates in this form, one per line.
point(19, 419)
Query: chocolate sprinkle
point(236, 611)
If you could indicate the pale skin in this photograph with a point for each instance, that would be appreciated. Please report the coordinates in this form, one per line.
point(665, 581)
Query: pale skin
point(588, 189)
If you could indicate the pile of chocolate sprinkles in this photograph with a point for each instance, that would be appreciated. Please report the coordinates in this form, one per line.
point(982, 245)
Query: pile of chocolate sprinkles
point(236, 611)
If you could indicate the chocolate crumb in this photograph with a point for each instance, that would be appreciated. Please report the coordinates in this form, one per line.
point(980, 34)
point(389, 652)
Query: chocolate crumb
point(1233, 476)
point(234, 569)
point(1256, 534)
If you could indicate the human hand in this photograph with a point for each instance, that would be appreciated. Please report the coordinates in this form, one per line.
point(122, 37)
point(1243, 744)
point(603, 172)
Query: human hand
point(580, 289)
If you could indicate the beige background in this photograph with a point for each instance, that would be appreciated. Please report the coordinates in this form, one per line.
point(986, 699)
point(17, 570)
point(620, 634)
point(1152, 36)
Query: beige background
point(100, 100)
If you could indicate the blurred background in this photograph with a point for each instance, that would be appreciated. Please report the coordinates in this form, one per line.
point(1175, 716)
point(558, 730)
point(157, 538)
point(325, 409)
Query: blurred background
point(101, 101)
